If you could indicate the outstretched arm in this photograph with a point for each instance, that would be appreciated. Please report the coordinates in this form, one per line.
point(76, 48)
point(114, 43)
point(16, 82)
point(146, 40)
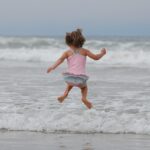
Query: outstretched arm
point(96, 56)
point(58, 62)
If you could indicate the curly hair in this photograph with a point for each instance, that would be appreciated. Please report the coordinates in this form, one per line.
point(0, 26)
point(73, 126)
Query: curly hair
point(75, 38)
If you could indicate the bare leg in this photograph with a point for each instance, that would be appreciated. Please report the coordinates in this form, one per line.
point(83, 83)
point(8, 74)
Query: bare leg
point(61, 98)
point(84, 91)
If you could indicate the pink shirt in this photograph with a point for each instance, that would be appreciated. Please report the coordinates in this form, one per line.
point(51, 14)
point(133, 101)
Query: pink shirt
point(76, 64)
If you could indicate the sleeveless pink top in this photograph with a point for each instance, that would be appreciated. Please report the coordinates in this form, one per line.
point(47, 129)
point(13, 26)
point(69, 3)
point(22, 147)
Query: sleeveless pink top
point(76, 64)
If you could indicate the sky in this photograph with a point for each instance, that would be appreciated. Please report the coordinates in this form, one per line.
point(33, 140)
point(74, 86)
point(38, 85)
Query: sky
point(56, 17)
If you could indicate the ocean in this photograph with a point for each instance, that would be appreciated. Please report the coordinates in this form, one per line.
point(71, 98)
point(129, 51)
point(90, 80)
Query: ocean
point(119, 87)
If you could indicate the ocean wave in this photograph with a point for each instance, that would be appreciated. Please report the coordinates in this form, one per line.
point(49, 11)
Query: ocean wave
point(29, 42)
point(117, 57)
point(49, 49)
point(89, 121)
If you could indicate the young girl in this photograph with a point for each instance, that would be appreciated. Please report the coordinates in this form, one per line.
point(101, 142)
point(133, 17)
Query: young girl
point(76, 60)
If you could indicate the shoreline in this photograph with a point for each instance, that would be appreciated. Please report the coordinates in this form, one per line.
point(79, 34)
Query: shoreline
point(16, 140)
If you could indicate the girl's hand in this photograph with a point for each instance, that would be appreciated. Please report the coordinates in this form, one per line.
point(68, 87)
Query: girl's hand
point(49, 69)
point(103, 51)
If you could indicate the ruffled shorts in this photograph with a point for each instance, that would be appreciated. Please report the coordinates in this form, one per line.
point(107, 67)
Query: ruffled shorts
point(75, 80)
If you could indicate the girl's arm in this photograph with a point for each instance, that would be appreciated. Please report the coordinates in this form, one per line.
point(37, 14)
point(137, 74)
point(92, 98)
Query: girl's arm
point(58, 62)
point(96, 56)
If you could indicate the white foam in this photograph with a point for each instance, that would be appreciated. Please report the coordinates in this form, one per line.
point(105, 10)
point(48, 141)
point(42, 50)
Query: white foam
point(87, 121)
point(49, 49)
point(34, 55)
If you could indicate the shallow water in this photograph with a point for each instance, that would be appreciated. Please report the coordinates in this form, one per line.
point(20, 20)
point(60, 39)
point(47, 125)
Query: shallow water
point(120, 95)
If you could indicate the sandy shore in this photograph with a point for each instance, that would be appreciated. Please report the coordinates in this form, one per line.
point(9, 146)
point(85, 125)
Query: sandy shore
point(12, 140)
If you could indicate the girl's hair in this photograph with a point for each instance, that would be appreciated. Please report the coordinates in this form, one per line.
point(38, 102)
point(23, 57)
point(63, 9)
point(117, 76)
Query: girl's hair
point(75, 38)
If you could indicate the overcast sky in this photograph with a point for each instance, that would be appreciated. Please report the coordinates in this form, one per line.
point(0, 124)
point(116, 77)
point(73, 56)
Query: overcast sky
point(56, 17)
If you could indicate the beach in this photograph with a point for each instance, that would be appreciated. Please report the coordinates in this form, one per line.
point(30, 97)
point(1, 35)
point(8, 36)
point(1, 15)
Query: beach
point(41, 141)
point(32, 118)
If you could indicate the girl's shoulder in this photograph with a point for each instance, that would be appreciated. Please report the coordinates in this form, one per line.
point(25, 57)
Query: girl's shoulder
point(83, 51)
point(68, 53)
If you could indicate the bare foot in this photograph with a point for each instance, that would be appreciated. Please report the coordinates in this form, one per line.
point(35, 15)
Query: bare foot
point(61, 98)
point(87, 103)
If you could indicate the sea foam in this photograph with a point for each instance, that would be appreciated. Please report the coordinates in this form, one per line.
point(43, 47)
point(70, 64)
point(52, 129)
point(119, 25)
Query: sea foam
point(87, 121)
point(127, 52)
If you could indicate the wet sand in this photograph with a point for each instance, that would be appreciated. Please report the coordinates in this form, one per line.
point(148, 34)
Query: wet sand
point(13, 140)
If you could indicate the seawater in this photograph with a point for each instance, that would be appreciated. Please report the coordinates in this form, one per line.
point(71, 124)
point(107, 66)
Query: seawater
point(119, 87)
point(121, 50)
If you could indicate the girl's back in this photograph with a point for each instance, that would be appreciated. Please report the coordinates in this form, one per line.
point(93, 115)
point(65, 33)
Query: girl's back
point(76, 61)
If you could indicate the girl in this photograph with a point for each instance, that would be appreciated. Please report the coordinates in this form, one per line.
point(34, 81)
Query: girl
point(76, 60)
